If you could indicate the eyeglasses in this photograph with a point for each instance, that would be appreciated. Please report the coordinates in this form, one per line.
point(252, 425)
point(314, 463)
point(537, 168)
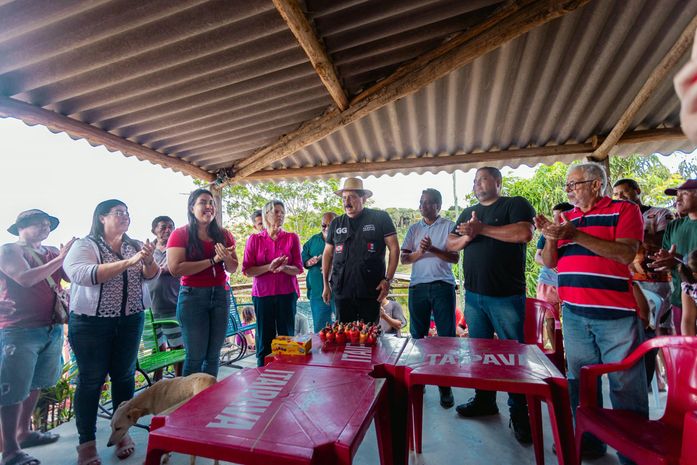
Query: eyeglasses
point(325, 226)
point(571, 186)
point(119, 213)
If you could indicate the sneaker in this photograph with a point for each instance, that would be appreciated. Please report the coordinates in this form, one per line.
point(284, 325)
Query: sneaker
point(521, 428)
point(446, 397)
point(475, 408)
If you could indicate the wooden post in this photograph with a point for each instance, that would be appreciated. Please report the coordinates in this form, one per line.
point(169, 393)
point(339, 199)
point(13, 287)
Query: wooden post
point(218, 198)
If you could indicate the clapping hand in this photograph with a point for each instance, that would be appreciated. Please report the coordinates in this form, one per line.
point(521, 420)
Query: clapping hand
point(223, 253)
point(313, 260)
point(146, 253)
point(65, 248)
point(541, 222)
point(556, 231)
point(425, 244)
point(664, 260)
point(278, 263)
point(144, 256)
point(472, 228)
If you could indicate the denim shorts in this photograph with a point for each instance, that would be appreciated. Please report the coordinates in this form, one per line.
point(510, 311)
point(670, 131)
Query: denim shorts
point(31, 359)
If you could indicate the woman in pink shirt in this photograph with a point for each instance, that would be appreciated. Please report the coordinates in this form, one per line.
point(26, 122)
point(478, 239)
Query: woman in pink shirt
point(272, 258)
point(201, 252)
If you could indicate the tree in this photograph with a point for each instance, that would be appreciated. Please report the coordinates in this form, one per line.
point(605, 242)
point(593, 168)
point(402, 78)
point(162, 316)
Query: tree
point(688, 169)
point(304, 201)
point(652, 175)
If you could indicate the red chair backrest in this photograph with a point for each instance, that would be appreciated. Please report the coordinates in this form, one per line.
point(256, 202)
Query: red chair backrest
point(680, 355)
point(533, 329)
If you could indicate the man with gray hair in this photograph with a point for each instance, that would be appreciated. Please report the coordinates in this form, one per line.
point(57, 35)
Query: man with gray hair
point(592, 246)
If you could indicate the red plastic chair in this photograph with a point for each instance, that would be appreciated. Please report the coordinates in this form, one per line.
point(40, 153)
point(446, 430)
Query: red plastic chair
point(647, 442)
point(689, 451)
point(533, 330)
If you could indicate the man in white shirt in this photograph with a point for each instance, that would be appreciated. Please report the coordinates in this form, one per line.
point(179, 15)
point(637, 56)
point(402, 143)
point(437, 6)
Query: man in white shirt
point(432, 285)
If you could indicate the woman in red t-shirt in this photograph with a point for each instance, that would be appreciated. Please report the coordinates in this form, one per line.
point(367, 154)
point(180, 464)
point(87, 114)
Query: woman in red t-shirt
point(201, 252)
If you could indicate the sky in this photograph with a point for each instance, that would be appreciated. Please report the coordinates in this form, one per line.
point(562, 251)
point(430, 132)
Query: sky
point(68, 178)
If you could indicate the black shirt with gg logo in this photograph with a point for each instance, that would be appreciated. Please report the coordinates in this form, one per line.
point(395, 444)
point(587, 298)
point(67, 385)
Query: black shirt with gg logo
point(359, 253)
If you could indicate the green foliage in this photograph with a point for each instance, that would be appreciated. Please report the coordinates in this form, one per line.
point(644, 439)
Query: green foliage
point(543, 190)
point(546, 188)
point(305, 203)
point(55, 404)
point(688, 169)
point(653, 177)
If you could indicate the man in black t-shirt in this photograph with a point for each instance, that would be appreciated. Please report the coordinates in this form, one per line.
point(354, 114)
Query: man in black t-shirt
point(493, 235)
point(353, 262)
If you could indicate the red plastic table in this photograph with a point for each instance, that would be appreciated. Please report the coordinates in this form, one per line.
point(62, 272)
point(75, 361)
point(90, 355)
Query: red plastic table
point(379, 360)
point(279, 413)
point(491, 364)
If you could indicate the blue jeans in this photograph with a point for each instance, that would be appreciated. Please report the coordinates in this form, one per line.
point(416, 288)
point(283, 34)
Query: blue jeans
point(504, 316)
point(30, 359)
point(438, 296)
point(103, 346)
point(590, 341)
point(203, 314)
point(321, 313)
point(275, 316)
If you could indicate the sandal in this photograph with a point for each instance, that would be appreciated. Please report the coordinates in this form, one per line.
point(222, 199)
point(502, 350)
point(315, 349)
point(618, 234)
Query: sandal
point(90, 450)
point(21, 458)
point(125, 447)
point(37, 438)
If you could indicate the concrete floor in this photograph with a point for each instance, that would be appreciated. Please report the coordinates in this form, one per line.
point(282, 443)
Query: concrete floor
point(448, 439)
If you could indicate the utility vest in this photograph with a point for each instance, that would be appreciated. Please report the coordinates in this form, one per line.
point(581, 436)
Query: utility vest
point(359, 255)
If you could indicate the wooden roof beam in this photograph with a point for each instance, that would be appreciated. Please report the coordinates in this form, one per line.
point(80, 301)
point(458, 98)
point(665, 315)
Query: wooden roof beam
point(657, 77)
point(34, 115)
point(437, 64)
point(304, 33)
point(534, 154)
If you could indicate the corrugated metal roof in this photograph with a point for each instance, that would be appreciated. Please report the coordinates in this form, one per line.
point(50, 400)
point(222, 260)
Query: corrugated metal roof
point(562, 83)
point(210, 82)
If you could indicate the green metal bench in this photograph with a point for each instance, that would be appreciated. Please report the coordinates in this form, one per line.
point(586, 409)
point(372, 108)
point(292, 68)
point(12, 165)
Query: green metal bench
point(150, 357)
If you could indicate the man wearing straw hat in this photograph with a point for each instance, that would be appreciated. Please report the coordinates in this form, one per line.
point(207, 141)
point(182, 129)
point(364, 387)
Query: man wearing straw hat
point(30, 339)
point(353, 262)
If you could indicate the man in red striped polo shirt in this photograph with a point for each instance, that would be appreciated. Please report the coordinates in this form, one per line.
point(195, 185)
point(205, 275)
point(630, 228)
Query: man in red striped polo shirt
point(592, 247)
